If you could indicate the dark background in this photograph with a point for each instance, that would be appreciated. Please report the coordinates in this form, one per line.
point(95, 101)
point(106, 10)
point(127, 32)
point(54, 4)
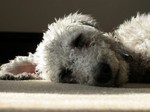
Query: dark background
point(27, 19)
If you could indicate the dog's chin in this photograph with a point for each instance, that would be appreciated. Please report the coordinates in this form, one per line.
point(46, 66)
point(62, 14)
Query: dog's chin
point(115, 82)
point(108, 84)
point(112, 83)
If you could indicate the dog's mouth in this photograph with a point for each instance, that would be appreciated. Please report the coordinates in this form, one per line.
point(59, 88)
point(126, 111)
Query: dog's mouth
point(110, 83)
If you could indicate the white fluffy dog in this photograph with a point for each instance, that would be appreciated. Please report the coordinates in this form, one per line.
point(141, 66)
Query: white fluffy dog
point(74, 50)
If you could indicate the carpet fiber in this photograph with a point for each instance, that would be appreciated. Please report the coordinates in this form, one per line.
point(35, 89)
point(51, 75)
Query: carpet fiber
point(43, 96)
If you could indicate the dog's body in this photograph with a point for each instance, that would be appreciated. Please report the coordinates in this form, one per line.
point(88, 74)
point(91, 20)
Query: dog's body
point(134, 36)
point(74, 50)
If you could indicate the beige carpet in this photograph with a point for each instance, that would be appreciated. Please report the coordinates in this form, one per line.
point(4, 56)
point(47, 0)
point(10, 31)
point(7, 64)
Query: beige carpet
point(43, 96)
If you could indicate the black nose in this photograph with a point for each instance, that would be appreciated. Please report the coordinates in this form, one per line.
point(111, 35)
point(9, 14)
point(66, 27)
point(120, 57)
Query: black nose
point(103, 73)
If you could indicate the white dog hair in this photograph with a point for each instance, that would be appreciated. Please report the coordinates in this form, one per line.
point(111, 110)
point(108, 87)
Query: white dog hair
point(74, 50)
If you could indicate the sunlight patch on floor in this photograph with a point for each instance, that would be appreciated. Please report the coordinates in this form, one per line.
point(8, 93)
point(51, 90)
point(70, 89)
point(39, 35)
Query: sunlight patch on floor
point(75, 102)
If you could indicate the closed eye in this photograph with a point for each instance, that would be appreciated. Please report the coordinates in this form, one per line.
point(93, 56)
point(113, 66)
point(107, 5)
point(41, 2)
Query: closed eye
point(79, 42)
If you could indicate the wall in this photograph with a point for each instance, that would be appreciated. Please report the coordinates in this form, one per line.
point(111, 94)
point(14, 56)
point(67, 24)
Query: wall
point(34, 15)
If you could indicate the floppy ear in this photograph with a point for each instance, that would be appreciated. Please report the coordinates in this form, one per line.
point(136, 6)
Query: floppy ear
point(89, 23)
point(83, 19)
point(21, 68)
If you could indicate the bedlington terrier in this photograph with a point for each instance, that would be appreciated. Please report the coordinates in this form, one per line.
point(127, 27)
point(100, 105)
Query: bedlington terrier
point(74, 50)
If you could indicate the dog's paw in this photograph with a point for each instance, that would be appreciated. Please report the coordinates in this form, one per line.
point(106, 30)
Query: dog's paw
point(21, 68)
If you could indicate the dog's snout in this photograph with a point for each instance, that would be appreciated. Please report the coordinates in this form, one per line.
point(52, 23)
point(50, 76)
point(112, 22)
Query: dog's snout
point(103, 73)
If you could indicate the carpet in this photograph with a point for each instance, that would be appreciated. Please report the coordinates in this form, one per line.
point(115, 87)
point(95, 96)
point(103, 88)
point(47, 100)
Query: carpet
point(43, 96)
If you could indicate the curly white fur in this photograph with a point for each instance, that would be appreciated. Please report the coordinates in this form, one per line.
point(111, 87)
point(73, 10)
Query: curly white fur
point(74, 50)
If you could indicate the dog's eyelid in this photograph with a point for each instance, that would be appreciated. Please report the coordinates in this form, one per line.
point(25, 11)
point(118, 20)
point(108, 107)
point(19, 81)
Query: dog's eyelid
point(79, 41)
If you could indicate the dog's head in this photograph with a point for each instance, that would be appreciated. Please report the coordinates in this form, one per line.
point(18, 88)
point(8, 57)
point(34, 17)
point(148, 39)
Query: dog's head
point(75, 51)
